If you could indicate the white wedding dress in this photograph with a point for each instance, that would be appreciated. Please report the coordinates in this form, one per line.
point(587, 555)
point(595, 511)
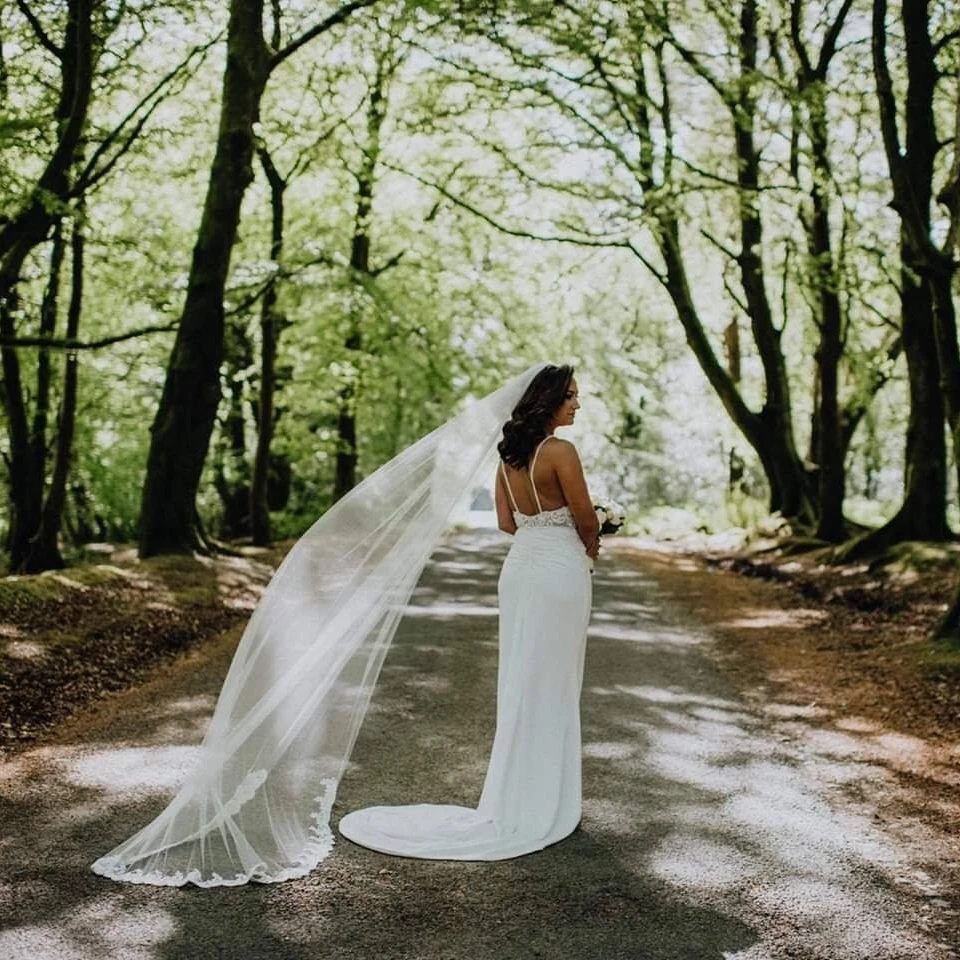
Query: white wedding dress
point(531, 795)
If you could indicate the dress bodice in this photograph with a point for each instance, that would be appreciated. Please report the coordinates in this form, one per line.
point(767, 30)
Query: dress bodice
point(558, 517)
point(561, 517)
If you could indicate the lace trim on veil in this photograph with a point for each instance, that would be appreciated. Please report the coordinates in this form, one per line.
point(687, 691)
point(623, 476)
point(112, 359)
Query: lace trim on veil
point(320, 844)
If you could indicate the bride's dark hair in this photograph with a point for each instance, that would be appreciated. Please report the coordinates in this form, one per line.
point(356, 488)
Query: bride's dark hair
point(528, 422)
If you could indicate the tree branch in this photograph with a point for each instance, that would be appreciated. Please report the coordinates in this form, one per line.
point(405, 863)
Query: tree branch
point(720, 245)
point(615, 94)
point(949, 196)
point(277, 17)
point(72, 345)
point(829, 47)
point(389, 264)
point(946, 40)
point(42, 35)
point(585, 241)
point(282, 274)
point(316, 30)
point(885, 94)
point(796, 37)
point(90, 174)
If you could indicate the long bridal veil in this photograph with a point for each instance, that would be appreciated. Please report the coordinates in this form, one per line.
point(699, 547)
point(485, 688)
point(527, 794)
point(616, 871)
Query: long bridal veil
point(257, 804)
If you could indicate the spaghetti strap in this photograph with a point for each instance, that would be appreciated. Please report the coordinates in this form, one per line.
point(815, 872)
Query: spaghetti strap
point(513, 499)
point(533, 464)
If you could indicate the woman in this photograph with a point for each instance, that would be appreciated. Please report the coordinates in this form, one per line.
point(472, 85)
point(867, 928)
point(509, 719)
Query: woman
point(256, 804)
point(531, 795)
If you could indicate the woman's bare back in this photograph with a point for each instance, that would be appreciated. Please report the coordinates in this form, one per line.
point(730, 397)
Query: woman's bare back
point(546, 480)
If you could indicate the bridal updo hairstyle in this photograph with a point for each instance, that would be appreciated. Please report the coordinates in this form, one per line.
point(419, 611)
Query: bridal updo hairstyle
point(528, 422)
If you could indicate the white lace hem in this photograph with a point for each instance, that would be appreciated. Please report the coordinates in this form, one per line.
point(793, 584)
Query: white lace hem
point(317, 849)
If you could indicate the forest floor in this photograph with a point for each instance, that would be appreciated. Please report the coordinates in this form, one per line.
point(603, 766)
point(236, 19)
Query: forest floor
point(69, 637)
point(772, 766)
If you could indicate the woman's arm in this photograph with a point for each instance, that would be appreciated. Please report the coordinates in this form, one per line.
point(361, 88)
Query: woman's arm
point(505, 519)
point(574, 486)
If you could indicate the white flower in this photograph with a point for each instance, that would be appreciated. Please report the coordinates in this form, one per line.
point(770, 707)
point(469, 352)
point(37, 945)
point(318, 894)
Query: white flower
point(609, 512)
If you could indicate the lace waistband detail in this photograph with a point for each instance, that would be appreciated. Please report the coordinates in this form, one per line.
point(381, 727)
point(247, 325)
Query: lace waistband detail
point(561, 517)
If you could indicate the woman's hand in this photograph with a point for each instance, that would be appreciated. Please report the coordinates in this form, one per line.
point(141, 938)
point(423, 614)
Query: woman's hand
point(594, 548)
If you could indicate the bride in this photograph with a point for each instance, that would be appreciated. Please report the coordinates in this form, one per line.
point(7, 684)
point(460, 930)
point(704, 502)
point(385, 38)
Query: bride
point(531, 795)
point(256, 804)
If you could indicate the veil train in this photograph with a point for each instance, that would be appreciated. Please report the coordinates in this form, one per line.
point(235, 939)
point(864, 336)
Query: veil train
point(257, 804)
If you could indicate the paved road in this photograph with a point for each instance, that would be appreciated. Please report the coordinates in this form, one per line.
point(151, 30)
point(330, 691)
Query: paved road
point(707, 834)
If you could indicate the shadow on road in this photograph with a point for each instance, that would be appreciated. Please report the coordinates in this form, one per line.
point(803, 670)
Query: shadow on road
point(700, 840)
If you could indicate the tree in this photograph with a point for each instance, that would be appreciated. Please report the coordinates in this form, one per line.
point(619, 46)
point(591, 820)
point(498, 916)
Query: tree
point(387, 60)
point(180, 434)
point(928, 323)
point(47, 212)
point(271, 324)
point(611, 76)
point(811, 89)
point(40, 211)
point(44, 545)
point(929, 267)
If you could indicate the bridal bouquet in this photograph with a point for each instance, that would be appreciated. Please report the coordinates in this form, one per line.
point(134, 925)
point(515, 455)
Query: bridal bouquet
point(610, 515)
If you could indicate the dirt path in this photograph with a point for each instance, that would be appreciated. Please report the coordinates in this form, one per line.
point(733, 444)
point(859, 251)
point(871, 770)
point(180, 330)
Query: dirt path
point(717, 825)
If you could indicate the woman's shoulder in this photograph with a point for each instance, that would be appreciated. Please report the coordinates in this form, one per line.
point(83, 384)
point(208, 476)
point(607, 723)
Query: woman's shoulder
point(559, 448)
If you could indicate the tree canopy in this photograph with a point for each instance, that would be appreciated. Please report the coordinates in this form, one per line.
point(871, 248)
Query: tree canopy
point(250, 250)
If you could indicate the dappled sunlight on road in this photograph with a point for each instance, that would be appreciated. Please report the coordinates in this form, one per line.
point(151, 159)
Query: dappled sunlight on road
point(104, 927)
point(450, 610)
point(25, 649)
point(795, 617)
point(241, 580)
point(713, 829)
point(133, 770)
point(740, 807)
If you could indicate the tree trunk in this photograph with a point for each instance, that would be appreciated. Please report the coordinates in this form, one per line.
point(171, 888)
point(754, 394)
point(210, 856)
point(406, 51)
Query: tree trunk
point(948, 627)
point(28, 508)
point(770, 431)
point(45, 550)
point(345, 477)
point(829, 442)
point(30, 460)
point(830, 446)
point(19, 463)
point(948, 353)
point(948, 358)
point(231, 474)
point(922, 515)
point(29, 226)
point(180, 435)
point(271, 322)
point(23, 232)
point(791, 492)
